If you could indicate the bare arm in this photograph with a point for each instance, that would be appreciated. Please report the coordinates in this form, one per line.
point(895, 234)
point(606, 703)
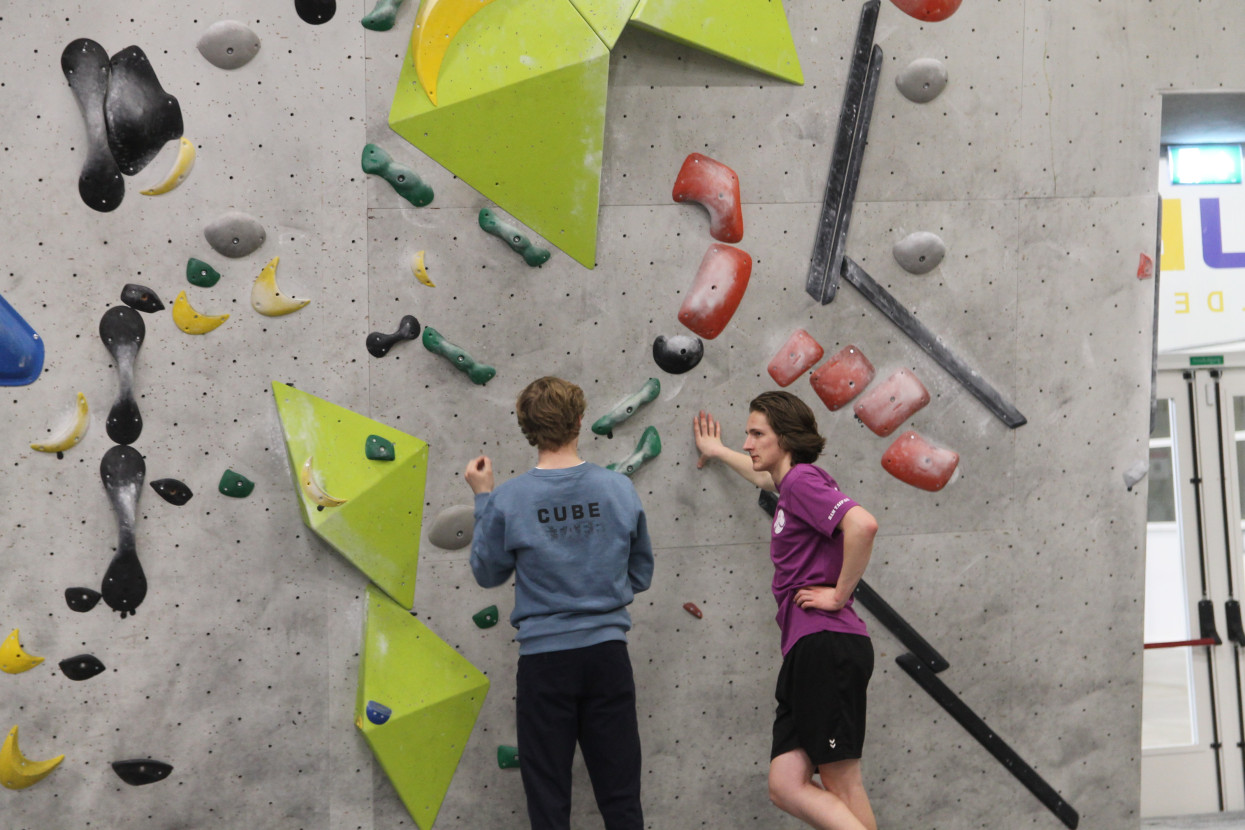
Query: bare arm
point(708, 434)
point(859, 527)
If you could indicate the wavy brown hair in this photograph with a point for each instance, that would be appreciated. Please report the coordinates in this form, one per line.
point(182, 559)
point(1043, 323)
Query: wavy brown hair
point(794, 424)
point(549, 411)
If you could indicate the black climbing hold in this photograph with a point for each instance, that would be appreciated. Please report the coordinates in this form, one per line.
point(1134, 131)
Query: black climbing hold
point(81, 667)
point(86, 67)
point(140, 771)
point(172, 491)
point(140, 115)
point(677, 354)
point(141, 297)
point(122, 471)
point(122, 329)
point(316, 12)
point(379, 344)
point(81, 599)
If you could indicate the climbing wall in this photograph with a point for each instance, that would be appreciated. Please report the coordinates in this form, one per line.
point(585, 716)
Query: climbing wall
point(235, 679)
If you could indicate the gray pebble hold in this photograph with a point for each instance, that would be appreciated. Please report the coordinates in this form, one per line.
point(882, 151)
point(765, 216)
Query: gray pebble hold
point(1134, 474)
point(235, 234)
point(920, 252)
point(453, 526)
point(922, 80)
point(228, 44)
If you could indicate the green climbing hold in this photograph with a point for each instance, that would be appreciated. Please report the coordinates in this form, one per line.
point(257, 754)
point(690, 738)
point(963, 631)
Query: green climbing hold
point(403, 179)
point(235, 484)
point(486, 618)
point(648, 449)
point(201, 274)
point(379, 449)
point(509, 234)
point(626, 408)
point(383, 16)
point(479, 373)
point(507, 757)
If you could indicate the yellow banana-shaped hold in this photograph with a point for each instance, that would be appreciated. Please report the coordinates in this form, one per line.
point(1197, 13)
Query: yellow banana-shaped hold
point(312, 488)
point(178, 173)
point(267, 299)
point(13, 659)
point(420, 270)
point(191, 321)
point(71, 433)
point(435, 26)
point(16, 772)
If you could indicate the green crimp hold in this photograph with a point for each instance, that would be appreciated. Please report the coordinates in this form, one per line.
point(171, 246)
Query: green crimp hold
point(479, 373)
point(404, 180)
point(201, 274)
point(486, 618)
point(235, 485)
point(509, 234)
point(626, 408)
point(379, 449)
point(383, 16)
point(648, 449)
point(507, 757)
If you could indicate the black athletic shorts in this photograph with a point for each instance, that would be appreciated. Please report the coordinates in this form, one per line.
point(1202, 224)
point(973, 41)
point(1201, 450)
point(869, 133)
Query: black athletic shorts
point(821, 697)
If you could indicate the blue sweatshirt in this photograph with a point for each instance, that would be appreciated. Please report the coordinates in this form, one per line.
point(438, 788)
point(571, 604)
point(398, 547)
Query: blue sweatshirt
point(577, 543)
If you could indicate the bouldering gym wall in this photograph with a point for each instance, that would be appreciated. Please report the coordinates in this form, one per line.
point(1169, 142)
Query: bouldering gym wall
point(274, 271)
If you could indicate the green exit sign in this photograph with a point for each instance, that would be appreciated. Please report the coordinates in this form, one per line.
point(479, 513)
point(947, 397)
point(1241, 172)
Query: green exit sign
point(1206, 360)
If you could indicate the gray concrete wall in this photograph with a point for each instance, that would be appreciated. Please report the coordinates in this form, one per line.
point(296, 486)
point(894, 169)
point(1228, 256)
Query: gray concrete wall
point(1037, 165)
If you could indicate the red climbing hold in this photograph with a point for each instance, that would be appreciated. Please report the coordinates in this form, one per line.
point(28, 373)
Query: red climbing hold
point(715, 187)
point(930, 10)
point(914, 460)
point(800, 353)
point(1145, 268)
point(842, 377)
point(690, 607)
point(716, 291)
point(892, 402)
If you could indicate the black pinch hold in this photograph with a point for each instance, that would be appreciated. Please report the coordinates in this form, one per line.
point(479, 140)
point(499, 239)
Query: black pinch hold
point(140, 115)
point(122, 471)
point(678, 354)
point(379, 343)
point(316, 12)
point(996, 746)
point(122, 329)
point(172, 491)
point(85, 65)
point(81, 667)
point(141, 298)
point(81, 599)
point(139, 771)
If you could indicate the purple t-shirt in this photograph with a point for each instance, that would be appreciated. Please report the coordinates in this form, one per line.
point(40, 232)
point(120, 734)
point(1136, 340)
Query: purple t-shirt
point(806, 546)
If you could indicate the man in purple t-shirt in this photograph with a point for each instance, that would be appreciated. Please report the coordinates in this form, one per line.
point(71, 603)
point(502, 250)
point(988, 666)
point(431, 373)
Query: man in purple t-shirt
point(820, 543)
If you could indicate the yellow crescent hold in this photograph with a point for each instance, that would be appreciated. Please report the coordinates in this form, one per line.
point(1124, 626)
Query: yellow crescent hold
point(420, 270)
point(267, 299)
point(435, 26)
point(180, 170)
point(71, 434)
point(191, 321)
point(13, 659)
point(16, 772)
point(312, 488)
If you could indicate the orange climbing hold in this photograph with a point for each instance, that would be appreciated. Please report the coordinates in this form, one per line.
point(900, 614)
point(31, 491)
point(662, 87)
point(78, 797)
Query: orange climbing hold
point(716, 291)
point(914, 460)
point(892, 402)
point(842, 377)
point(800, 353)
point(715, 187)
point(929, 10)
point(690, 607)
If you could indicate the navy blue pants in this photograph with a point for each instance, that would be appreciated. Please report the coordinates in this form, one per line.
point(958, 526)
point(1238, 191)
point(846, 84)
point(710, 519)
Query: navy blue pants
point(584, 695)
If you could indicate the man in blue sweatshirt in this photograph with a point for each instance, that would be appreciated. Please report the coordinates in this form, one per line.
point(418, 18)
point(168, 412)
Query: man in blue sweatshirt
point(575, 539)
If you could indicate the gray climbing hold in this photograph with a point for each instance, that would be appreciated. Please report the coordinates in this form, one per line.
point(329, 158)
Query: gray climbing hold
point(452, 527)
point(228, 44)
point(234, 234)
point(922, 80)
point(920, 252)
point(1134, 474)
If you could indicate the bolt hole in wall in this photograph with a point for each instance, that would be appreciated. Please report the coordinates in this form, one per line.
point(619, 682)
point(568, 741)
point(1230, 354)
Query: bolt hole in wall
point(1193, 721)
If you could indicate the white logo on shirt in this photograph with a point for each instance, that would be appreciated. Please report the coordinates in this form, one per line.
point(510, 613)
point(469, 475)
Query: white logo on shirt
point(780, 521)
point(832, 743)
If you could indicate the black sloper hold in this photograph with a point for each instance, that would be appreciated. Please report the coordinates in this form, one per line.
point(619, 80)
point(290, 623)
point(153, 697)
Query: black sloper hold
point(139, 771)
point(86, 67)
point(81, 666)
point(140, 115)
point(378, 343)
point(141, 298)
point(172, 491)
point(316, 12)
point(82, 599)
point(677, 354)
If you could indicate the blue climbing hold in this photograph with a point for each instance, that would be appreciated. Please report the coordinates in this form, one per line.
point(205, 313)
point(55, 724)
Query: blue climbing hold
point(378, 713)
point(21, 349)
